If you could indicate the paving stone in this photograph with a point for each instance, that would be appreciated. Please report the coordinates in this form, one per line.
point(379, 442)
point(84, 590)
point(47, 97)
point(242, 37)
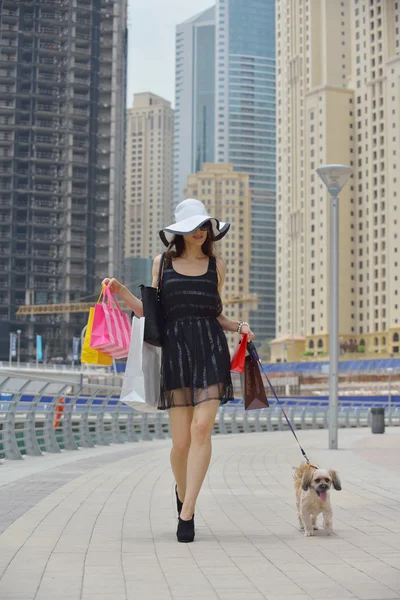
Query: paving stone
point(101, 524)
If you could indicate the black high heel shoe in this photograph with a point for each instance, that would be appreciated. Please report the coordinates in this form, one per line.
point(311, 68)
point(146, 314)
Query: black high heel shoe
point(179, 504)
point(185, 531)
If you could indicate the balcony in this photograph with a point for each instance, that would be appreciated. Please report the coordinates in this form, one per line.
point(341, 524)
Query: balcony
point(47, 124)
point(48, 107)
point(8, 26)
point(46, 29)
point(50, 16)
point(80, 143)
point(55, 2)
point(82, 66)
point(7, 74)
point(47, 204)
point(48, 92)
point(80, 50)
point(83, 20)
point(48, 239)
point(79, 191)
point(78, 208)
point(7, 104)
point(81, 96)
point(47, 60)
point(78, 238)
point(4, 57)
point(53, 46)
point(44, 269)
point(49, 156)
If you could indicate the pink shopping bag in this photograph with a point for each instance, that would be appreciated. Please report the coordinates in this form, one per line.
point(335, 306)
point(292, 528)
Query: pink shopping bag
point(111, 327)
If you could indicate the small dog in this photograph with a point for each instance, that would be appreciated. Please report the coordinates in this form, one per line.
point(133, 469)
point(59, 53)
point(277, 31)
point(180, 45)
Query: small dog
point(312, 486)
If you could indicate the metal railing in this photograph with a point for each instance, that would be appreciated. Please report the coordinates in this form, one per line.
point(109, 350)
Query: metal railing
point(38, 416)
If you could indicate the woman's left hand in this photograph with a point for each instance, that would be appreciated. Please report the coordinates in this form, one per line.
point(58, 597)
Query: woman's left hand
point(246, 329)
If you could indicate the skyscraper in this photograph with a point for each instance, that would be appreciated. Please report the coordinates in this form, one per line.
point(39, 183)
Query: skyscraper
point(149, 189)
point(337, 102)
point(62, 126)
point(194, 97)
point(227, 195)
point(245, 130)
point(243, 120)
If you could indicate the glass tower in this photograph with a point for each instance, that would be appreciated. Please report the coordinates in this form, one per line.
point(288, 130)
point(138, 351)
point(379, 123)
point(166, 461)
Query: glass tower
point(245, 130)
point(194, 98)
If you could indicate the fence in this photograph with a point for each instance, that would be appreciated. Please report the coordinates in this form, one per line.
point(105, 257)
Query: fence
point(38, 416)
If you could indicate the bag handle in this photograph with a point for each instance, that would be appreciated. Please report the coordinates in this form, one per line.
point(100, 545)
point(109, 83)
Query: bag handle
point(161, 271)
point(110, 297)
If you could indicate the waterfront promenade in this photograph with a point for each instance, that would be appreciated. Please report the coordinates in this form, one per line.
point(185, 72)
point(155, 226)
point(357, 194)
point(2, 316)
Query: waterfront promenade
point(99, 524)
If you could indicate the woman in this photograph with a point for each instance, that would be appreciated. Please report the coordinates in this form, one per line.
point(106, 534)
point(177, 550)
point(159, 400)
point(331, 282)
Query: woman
point(195, 375)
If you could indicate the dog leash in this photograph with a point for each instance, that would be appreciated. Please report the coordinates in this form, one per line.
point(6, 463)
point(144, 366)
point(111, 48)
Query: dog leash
point(254, 354)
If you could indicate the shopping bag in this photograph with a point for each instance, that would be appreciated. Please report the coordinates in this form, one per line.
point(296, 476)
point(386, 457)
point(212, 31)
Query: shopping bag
point(237, 363)
point(111, 327)
point(254, 391)
point(141, 384)
point(88, 354)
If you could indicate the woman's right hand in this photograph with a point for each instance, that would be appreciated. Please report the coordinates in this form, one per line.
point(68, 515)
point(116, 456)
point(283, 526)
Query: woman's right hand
point(114, 285)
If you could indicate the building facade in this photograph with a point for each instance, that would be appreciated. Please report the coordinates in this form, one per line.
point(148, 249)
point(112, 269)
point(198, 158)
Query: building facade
point(245, 131)
point(338, 89)
point(235, 68)
point(194, 98)
point(149, 174)
point(62, 127)
point(227, 196)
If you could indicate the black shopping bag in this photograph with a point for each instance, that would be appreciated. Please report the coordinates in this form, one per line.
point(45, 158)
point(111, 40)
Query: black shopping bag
point(254, 391)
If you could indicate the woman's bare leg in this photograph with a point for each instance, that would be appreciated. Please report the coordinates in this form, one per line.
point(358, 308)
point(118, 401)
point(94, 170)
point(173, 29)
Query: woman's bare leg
point(180, 419)
point(199, 453)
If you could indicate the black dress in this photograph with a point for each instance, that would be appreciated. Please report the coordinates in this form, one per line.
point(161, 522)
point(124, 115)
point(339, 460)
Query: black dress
point(195, 358)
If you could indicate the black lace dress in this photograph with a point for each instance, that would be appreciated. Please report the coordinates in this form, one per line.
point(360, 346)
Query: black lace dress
point(195, 358)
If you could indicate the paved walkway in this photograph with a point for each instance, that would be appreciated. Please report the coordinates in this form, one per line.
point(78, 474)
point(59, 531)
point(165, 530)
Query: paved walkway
point(99, 524)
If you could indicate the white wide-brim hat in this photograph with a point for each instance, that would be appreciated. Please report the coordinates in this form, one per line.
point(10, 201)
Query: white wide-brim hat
point(189, 216)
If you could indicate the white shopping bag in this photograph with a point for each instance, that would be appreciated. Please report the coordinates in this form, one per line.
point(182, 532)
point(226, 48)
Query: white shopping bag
point(141, 384)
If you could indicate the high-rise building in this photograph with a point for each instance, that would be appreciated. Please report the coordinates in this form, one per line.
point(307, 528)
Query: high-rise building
point(62, 127)
point(194, 98)
point(243, 119)
point(338, 85)
point(245, 131)
point(227, 196)
point(149, 173)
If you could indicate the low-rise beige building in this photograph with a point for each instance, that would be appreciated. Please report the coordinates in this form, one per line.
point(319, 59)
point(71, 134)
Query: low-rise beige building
point(227, 196)
point(149, 174)
point(338, 90)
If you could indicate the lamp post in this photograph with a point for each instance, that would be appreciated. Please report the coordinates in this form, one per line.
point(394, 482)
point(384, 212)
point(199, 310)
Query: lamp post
point(334, 177)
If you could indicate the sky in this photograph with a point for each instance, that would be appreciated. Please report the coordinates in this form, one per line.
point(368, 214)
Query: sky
point(151, 43)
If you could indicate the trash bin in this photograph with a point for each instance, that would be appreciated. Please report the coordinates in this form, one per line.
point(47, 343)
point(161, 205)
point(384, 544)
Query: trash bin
point(378, 420)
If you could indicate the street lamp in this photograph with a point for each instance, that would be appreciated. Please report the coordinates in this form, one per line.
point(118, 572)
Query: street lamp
point(18, 346)
point(335, 178)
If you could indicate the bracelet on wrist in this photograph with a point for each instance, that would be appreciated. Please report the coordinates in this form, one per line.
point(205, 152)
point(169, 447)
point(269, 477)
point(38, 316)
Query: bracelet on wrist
point(241, 324)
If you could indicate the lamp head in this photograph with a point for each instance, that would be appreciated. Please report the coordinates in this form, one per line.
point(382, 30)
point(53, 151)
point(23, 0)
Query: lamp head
point(334, 177)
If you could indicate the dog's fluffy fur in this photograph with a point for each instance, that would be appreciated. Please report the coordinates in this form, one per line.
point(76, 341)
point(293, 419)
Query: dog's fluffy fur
point(312, 487)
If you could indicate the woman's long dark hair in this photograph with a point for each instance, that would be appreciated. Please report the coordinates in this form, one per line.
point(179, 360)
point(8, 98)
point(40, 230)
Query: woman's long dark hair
point(177, 246)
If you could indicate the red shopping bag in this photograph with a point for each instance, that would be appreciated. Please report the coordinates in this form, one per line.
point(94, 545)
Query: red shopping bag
point(237, 363)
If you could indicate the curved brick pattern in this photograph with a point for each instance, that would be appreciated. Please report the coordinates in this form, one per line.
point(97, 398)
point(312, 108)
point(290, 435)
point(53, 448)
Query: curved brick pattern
point(100, 525)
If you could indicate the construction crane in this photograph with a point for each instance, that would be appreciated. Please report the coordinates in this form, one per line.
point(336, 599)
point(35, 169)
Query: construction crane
point(78, 307)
